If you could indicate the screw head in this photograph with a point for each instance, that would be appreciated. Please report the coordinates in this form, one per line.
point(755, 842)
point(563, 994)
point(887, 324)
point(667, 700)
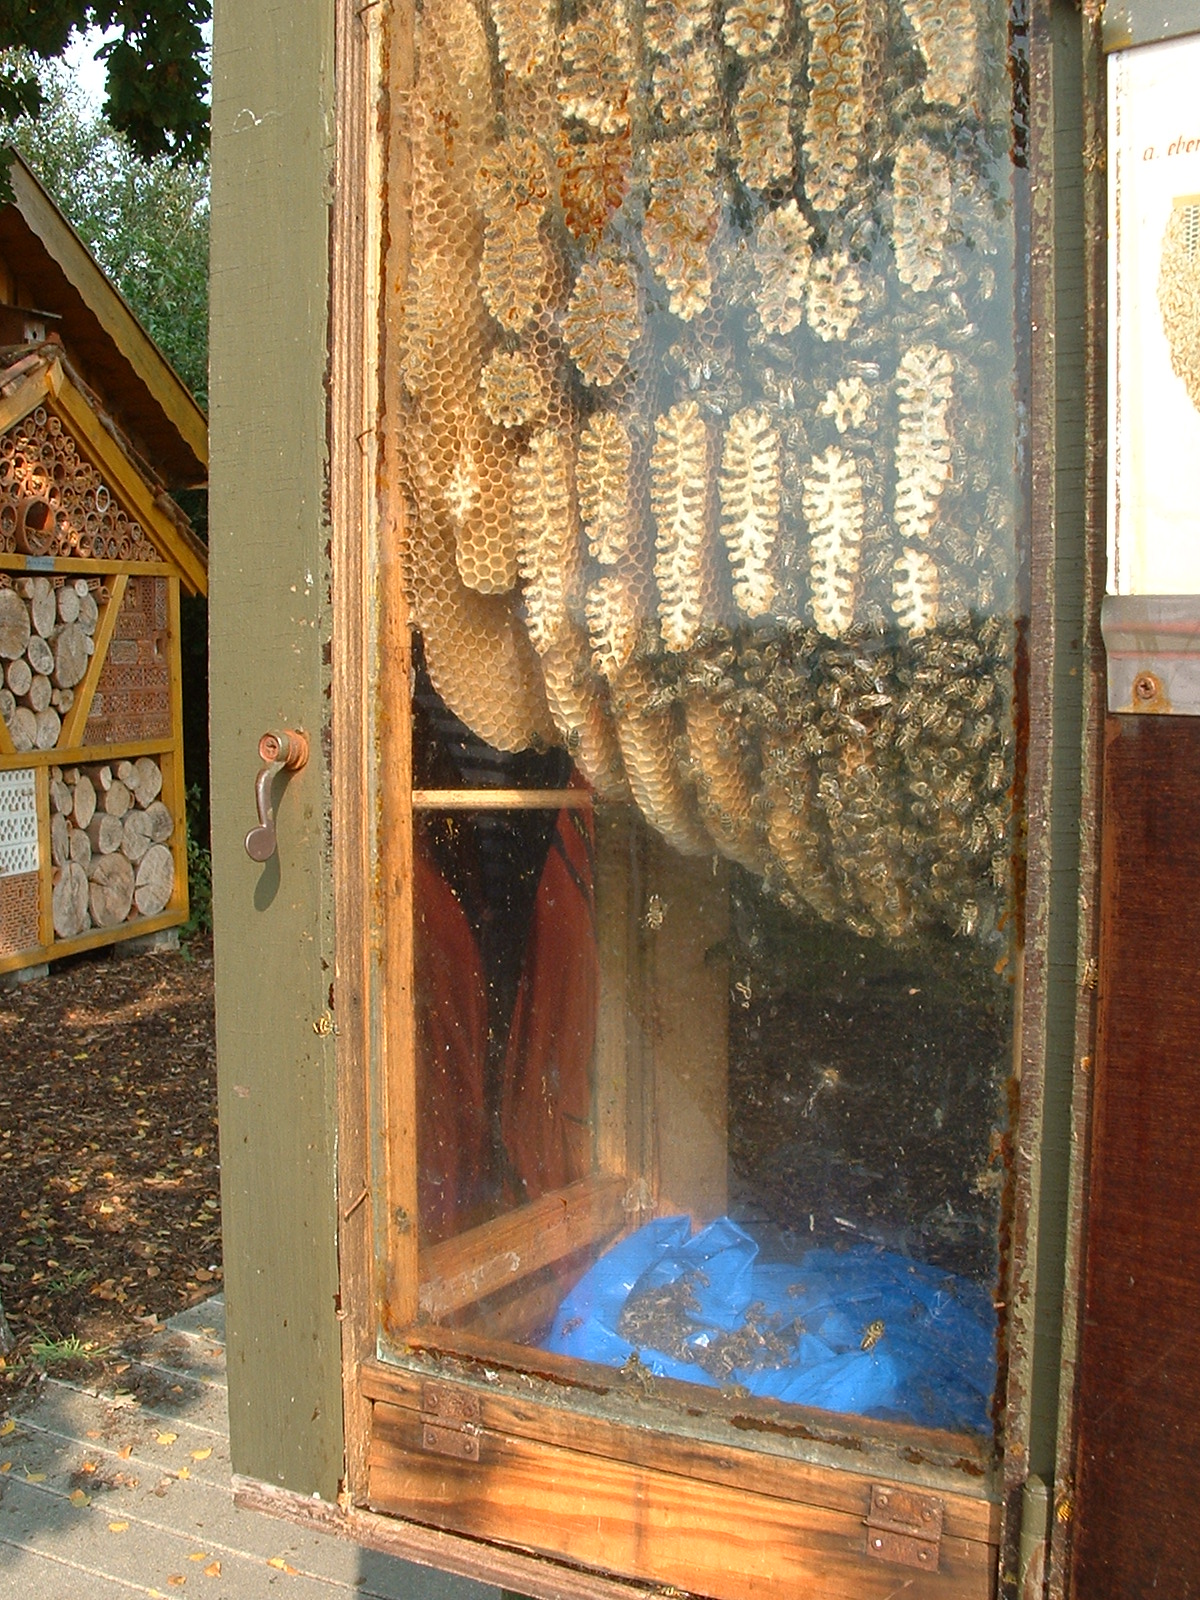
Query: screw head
point(1146, 686)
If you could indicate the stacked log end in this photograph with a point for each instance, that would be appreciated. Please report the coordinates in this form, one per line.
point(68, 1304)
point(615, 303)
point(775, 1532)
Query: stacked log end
point(47, 630)
point(110, 837)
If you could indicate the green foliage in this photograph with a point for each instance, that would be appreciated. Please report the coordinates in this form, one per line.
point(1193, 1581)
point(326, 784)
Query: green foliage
point(199, 859)
point(157, 66)
point(146, 222)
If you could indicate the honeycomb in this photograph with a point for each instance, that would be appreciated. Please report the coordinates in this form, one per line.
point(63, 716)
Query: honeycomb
point(762, 120)
point(948, 38)
point(920, 212)
point(709, 478)
point(836, 116)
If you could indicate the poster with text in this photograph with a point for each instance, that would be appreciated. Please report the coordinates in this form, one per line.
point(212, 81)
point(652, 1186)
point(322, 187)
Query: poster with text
point(1154, 319)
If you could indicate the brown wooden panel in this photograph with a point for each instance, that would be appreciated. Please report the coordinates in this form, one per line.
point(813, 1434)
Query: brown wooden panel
point(833, 1488)
point(1138, 1466)
point(623, 1518)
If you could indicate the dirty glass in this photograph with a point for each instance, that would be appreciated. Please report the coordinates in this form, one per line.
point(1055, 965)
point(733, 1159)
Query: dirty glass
point(711, 435)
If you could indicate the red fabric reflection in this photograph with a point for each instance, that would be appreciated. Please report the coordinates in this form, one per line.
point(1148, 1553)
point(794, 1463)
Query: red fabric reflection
point(545, 1106)
point(543, 1098)
point(452, 1033)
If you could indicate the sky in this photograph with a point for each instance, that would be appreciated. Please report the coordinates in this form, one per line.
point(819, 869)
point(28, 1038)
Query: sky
point(89, 73)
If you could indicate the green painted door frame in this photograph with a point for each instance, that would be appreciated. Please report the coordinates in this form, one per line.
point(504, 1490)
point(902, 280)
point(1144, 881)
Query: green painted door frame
point(272, 146)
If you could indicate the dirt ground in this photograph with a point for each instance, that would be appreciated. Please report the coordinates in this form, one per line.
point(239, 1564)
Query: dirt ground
point(109, 1208)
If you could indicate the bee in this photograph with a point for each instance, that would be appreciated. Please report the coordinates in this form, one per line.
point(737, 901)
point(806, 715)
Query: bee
point(872, 1334)
point(656, 911)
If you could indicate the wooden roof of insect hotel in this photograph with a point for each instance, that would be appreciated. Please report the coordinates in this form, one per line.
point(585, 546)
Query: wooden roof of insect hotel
point(52, 287)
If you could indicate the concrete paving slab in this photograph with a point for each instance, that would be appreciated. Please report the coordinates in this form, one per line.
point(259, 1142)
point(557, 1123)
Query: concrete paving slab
point(106, 1494)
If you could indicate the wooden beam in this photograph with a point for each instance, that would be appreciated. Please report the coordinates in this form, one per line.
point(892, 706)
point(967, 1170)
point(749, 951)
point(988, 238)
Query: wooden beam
point(66, 248)
point(73, 409)
point(501, 799)
point(75, 720)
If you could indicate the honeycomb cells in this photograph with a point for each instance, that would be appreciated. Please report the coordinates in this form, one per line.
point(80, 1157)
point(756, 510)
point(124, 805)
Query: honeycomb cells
point(682, 214)
point(835, 119)
point(704, 430)
point(921, 213)
point(602, 322)
point(762, 119)
point(1179, 293)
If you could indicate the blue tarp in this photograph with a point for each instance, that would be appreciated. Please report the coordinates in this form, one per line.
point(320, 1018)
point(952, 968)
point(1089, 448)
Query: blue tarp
point(929, 1337)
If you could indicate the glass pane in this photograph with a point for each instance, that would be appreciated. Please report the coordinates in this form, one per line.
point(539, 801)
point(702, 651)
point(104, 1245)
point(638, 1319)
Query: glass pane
point(711, 400)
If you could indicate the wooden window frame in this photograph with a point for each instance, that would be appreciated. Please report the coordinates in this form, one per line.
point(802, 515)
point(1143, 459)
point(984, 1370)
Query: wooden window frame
point(821, 1468)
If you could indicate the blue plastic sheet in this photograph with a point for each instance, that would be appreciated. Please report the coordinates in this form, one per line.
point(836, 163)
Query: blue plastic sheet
point(858, 1330)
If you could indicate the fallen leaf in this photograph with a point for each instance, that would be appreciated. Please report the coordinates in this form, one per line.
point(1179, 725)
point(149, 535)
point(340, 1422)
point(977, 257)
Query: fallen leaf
point(87, 1466)
point(213, 1569)
point(177, 1580)
point(35, 1477)
point(125, 1452)
point(5, 1466)
point(118, 1527)
point(167, 1438)
point(281, 1564)
point(6, 1427)
point(94, 1433)
point(78, 1498)
point(198, 1555)
point(202, 1455)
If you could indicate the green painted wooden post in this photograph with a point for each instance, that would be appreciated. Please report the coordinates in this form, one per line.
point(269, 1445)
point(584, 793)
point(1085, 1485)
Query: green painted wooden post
point(272, 143)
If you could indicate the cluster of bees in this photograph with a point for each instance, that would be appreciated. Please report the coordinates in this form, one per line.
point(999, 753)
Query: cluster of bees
point(709, 415)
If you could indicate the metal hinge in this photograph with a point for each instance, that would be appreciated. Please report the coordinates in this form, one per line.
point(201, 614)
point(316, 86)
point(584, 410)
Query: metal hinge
point(905, 1527)
point(450, 1421)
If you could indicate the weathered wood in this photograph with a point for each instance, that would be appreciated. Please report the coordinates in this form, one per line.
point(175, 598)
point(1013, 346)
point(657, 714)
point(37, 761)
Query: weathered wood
point(155, 880)
point(102, 777)
point(68, 603)
point(76, 721)
point(62, 700)
point(89, 613)
point(117, 799)
point(136, 835)
point(80, 848)
point(49, 726)
point(61, 797)
point(14, 625)
point(1137, 1476)
point(8, 704)
point(162, 823)
point(23, 728)
point(72, 648)
point(106, 833)
point(968, 1513)
point(70, 900)
point(60, 839)
point(147, 781)
point(39, 655)
point(125, 771)
point(513, 1246)
point(18, 676)
point(653, 1526)
point(38, 693)
point(111, 891)
point(43, 607)
point(85, 801)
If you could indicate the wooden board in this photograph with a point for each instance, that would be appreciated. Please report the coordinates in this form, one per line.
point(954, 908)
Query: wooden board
point(519, 1244)
point(630, 1520)
point(1137, 1532)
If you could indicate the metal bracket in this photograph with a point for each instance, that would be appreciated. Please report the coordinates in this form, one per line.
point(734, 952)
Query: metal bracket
point(450, 1422)
point(905, 1527)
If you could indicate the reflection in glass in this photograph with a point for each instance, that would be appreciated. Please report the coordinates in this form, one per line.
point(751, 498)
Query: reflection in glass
point(711, 427)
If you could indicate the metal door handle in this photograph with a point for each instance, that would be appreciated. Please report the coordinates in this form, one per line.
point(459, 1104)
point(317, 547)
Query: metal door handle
point(282, 752)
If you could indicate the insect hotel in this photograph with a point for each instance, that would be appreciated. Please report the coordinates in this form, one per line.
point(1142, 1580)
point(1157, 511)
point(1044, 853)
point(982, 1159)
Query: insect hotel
point(672, 586)
point(93, 553)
